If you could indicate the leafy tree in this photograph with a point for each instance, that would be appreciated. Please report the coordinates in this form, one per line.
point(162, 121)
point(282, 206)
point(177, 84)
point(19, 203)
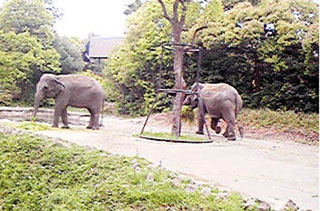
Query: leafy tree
point(276, 59)
point(70, 54)
point(28, 16)
point(134, 68)
point(177, 21)
point(22, 60)
point(275, 68)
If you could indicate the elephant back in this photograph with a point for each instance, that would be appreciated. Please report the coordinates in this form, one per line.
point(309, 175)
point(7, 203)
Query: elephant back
point(220, 90)
point(214, 95)
point(80, 82)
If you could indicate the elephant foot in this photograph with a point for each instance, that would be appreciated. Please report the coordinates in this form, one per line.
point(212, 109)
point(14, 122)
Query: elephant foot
point(65, 127)
point(95, 128)
point(232, 138)
point(218, 130)
point(226, 135)
point(89, 127)
point(200, 132)
point(54, 125)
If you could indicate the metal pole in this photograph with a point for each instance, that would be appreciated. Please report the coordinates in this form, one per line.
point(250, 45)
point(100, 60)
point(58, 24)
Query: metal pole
point(157, 91)
point(154, 102)
point(197, 81)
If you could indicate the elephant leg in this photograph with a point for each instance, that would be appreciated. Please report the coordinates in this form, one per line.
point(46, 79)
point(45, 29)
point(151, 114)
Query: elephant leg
point(64, 116)
point(200, 122)
point(56, 115)
point(214, 123)
point(229, 117)
point(95, 125)
point(91, 119)
point(226, 133)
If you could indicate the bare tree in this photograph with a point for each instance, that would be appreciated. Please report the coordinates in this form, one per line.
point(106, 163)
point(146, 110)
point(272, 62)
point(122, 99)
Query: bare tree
point(177, 27)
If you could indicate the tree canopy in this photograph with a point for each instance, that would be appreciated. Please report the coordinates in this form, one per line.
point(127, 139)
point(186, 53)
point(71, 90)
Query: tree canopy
point(268, 50)
point(26, 47)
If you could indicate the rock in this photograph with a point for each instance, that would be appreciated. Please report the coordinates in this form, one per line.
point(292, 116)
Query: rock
point(149, 177)
point(175, 182)
point(136, 165)
point(206, 191)
point(264, 206)
point(190, 188)
point(250, 204)
point(222, 196)
point(290, 205)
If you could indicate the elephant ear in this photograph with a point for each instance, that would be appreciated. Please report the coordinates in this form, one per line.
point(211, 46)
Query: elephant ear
point(59, 85)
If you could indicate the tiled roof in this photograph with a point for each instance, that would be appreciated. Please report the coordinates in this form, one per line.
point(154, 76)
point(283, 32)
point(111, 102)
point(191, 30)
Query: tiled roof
point(101, 47)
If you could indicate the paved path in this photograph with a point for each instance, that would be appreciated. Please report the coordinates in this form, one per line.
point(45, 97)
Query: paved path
point(271, 170)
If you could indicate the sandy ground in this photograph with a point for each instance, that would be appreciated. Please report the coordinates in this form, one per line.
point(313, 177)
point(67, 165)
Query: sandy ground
point(271, 170)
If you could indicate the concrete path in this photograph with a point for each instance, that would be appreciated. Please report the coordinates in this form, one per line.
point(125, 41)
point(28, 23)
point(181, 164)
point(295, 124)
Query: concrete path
point(274, 171)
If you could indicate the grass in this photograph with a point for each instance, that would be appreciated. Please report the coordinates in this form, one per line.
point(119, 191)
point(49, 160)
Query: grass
point(33, 126)
point(169, 136)
point(285, 120)
point(38, 174)
point(300, 127)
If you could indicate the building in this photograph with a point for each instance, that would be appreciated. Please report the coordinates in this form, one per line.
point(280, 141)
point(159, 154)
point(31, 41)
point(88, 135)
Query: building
point(100, 48)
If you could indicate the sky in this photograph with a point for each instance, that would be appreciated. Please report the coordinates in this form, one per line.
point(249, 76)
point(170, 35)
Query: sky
point(101, 17)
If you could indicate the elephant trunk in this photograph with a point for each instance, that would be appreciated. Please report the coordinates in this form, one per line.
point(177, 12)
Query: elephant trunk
point(37, 101)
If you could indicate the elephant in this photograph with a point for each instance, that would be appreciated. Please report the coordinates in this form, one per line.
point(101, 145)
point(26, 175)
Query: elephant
point(219, 101)
point(71, 90)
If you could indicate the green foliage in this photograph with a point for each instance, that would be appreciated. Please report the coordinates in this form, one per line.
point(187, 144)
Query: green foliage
point(70, 55)
point(277, 72)
point(134, 68)
point(22, 60)
point(26, 49)
point(22, 16)
point(42, 175)
point(283, 120)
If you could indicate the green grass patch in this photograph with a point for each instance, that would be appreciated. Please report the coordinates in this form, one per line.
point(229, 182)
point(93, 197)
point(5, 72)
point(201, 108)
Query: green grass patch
point(37, 174)
point(168, 136)
point(30, 126)
point(285, 120)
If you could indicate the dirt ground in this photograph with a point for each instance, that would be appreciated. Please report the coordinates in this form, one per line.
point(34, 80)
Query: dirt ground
point(271, 170)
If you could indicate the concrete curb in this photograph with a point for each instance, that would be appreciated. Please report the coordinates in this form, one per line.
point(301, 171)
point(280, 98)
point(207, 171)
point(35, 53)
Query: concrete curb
point(43, 115)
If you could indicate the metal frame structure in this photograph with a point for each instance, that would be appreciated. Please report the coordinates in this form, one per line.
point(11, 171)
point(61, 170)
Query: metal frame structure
point(187, 48)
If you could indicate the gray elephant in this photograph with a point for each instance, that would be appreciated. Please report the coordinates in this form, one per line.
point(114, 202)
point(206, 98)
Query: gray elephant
point(220, 101)
point(71, 90)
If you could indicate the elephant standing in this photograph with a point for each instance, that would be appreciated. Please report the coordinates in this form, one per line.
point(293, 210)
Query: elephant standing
point(220, 101)
point(71, 90)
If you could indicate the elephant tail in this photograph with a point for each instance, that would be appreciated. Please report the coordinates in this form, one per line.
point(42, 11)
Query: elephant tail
point(238, 108)
point(102, 111)
point(238, 104)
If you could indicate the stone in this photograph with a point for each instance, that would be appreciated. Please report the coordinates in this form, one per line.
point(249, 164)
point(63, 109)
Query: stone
point(250, 204)
point(206, 191)
point(290, 205)
point(263, 206)
point(190, 188)
point(175, 182)
point(149, 177)
point(222, 196)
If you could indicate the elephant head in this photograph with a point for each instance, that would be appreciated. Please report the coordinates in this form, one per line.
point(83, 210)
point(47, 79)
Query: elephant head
point(192, 99)
point(48, 86)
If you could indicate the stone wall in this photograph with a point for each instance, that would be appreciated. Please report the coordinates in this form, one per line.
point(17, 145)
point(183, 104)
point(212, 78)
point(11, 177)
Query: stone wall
point(43, 115)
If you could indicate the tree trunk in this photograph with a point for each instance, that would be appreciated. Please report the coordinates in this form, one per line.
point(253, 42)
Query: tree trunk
point(179, 84)
point(177, 27)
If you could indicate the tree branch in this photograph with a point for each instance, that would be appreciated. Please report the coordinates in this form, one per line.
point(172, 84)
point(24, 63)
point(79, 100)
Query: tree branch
point(175, 11)
point(183, 15)
point(165, 13)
